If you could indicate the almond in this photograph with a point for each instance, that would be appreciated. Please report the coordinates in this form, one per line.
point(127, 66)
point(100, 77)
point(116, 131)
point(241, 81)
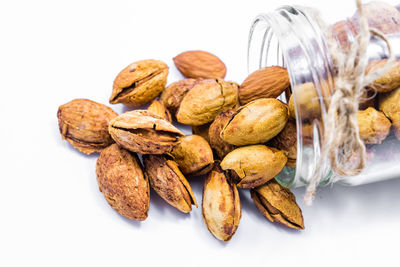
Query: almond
point(269, 82)
point(200, 64)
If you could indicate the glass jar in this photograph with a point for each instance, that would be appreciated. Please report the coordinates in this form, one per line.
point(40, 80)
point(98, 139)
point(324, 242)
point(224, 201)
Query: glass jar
point(293, 37)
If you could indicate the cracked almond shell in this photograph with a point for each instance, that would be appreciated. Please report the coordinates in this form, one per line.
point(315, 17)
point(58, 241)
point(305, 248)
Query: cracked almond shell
point(168, 182)
point(389, 104)
point(139, 83)
point(257, 122)
point(205, 100)
point(373, 126)
point(221, 207)
point(143, 132)
point(193, 155)
point(286, 140)
point(221, 147)
point(159, 109)
point(254, 165)
point(172, 96)
point(278, 204)
point(122, 182)
point(84, 124)
point(387, 82)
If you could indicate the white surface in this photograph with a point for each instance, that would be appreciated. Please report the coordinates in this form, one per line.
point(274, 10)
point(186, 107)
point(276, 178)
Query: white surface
point(52, 213)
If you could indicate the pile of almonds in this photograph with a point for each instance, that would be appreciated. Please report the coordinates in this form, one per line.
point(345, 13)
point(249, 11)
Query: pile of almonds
point(243, 137)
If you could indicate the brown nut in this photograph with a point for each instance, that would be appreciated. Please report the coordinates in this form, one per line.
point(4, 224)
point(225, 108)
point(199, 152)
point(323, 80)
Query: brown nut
point(193, 155)
point(387, 82)
point(84, 124)
point(257, 122)
point(278, 204)
point(269, 82)
point(287, 141)
point(159, 109)
point(367, 100)
point(254, 165)
point(202, 130)
point(143, 132)
point(373, 126)
point(205, 100)
point(121, 180)
point(172, 96)
point(221, 147)
point(389, 104)
point(221, 207)
point(139, 83)
point(307, 101)
point(200, 64)
point(168, 182)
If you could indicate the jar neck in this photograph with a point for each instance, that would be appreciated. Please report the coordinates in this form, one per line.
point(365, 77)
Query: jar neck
point(291, 37)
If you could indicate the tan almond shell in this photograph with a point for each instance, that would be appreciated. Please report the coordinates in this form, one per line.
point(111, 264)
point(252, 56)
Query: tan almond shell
point(159, 109)
point(373, 126)
point(202, 130)
point(205, 100)
point(257, 122)
point(307, 100)
point(221, 147)
point(139, 83)
point(269, 82)
point(387, 82)
point(172, 96)
point(221, 209)
point(84, 124)
point(200, 64)
point(254, 165)
point(164, 136)
point(168, 182)
point(286, 140)
point(121, 180)
point(193, 155)
point(389, 104)
point(278, 204)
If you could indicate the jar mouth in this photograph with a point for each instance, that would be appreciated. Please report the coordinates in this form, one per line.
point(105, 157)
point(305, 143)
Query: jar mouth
point(290, 37)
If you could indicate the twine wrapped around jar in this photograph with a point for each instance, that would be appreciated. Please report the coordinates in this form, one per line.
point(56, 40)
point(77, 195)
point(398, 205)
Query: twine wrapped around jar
point(341, 143)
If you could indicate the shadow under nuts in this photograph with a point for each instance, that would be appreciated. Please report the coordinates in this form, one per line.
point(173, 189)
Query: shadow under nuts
point(257, 122)
point(84, 124)
point(139, 83)
point(143, 132)
point(221, 207)
point(121, 180)
point(168, 182)
point(193, 155)
point(277, 203)
point(254, 165)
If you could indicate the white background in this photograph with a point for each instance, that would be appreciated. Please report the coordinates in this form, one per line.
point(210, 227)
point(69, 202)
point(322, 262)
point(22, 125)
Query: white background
point(52, 213)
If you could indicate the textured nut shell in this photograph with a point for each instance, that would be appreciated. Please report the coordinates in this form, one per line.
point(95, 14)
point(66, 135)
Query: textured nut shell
point(205, 100)
point(127, 131)
point(257, 122)
point(84, 124)
point(168, 182)
point(390, 105)
point(373, 126)
point(269, 82)
point(286, 140)
point(221, 147)
point(202, 130)
point(254, 165)
point(278, 204)
point(172, 96)
point(139, 83)
point(387, 82)
point(156, 107)
point(193, 155)
point(121, 180)
point(221, 207)
point(200, 64)
point(306, 100)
